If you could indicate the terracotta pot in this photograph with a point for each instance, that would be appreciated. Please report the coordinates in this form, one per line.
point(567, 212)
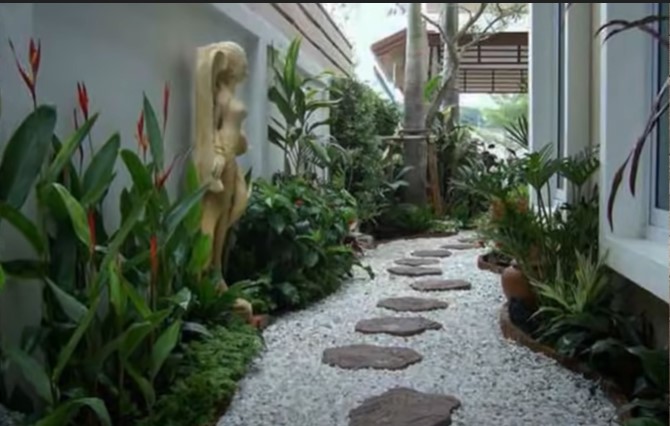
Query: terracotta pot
point(515, 285)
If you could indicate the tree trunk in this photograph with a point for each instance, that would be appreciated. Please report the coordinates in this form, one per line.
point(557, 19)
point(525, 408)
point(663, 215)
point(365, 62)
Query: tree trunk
point(451, 64)
point(414, 141)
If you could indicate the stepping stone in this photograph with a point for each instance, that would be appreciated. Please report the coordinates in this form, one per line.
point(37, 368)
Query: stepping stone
point(471, 240)
point(410, 271)
point(441, 285)
point(460, 246)
point(417, 262)
point(357, 357)
point(397, 326)
point(432, 253)
point(405, 407)
point(412, 304)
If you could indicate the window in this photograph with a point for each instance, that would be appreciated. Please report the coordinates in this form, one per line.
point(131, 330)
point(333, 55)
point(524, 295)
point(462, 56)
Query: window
point(560, 131)
point(661, 193)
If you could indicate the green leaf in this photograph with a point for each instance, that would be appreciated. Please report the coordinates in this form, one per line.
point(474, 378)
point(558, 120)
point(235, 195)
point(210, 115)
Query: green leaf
point(154, 134)
point(319, 150)
point(68, 350)
point(179, 212)
point(145, 386)
point(655, 365)
point(72, 307)
point(126, 227)
point(197, 328)
point(25, 154)
point(64, 155)
point(133, 336)
point(76, 213)
point(138, 172)
point(164, 347)
point(100, 172)
point(117, 296)
point(200, 254)
point(278, 223)
point(138, 301)
point(23, 225)
point(25, 269)
point(67, 411)
point(33, 372)
point(3, 279)
point(182, 298)
point(193, 218)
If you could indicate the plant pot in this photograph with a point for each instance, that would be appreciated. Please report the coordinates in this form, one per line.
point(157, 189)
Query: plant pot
point(515, 285)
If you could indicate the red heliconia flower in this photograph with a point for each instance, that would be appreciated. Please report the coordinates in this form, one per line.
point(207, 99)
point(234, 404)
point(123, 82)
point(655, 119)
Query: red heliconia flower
point(163, 176)
point(80, 149)
point(153, 256)
point(82, 98)
point(166, 104)
point(34, 58)
point(91, 228)
point(142, 139)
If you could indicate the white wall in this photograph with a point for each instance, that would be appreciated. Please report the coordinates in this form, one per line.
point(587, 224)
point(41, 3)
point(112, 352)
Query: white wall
point(121, 50)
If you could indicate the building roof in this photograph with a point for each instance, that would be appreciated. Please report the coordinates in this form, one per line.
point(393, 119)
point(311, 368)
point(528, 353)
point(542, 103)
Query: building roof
point(498, 64)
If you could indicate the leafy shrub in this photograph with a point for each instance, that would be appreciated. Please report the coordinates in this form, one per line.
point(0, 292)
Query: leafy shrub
point(369, 170)
point(290, 246)
point(207, 378)
point(405, 219)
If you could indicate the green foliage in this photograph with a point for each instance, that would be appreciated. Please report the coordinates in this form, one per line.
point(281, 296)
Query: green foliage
point(404, 220)
point(299, 101)
point(369, 170)
point(508, 110)
point(291, 243)
point(207, 377)
point(114, 300)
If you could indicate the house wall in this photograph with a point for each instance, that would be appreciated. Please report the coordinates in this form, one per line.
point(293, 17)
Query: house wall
point(608, 93)
point(123, 50)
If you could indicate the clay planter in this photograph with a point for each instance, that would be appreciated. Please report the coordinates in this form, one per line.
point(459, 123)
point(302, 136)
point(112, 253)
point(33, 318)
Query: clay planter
point(610, 389)
point(485, 264)
point(515, 285)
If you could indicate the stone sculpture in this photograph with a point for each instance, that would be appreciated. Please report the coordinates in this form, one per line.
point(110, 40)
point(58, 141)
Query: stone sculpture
point(220, 138)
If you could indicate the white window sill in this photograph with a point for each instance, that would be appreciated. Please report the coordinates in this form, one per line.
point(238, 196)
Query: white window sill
point(642, 261)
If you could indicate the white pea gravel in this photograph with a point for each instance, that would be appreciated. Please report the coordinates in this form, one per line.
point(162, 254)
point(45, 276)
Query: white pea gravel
point(497, 382)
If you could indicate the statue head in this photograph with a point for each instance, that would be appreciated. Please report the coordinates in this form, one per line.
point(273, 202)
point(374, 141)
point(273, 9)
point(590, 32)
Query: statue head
point(229, 63)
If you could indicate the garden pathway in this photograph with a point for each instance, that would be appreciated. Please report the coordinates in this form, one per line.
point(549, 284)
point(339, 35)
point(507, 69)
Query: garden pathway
point(447, 355)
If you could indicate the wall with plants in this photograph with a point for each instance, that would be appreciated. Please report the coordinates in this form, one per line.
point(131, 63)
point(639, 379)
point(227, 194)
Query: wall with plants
point(121, 300)
point(562, 293)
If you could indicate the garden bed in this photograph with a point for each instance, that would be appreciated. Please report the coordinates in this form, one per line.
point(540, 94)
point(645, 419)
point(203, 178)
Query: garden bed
point(492, 262)
point(379, 240)
point(513, 332)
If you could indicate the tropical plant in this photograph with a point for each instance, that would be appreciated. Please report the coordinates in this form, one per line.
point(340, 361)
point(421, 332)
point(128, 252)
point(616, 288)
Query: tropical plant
point(290, 246)
point(114, 303)
point(299, 101)
point(517, 131)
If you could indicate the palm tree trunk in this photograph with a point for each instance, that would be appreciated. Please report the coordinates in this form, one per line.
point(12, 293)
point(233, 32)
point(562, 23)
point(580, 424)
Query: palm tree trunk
point(414, 132)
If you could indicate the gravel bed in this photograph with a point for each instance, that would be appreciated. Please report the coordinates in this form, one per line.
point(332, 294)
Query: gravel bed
point(498, 382)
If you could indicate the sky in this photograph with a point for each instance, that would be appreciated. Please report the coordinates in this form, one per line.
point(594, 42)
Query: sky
point(367, 23)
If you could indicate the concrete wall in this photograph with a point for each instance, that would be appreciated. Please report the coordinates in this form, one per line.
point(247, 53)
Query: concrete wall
point(121, 51)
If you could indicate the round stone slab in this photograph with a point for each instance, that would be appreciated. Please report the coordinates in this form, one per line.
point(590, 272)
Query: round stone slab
point(357, 357)
point(417, 262)
point(405, 407)
point(460, 246)
point(397, 326)
point(432, 253)
point(441, 285)
point(412, 304)
point(410, 271)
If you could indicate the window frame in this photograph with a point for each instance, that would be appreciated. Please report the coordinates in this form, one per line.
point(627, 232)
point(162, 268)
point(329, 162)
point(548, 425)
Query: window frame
point(658, 216)
point(561, 91)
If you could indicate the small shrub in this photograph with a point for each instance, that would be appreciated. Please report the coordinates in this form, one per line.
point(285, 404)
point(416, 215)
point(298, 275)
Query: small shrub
point(207, 378)
point(290, 247)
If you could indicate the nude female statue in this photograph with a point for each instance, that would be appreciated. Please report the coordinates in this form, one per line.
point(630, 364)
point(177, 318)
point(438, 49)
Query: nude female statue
point(220, 138)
